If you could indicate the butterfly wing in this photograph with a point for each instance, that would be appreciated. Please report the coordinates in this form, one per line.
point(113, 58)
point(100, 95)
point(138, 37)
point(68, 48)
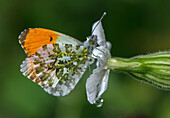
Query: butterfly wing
point(33, 38)
point(56, 67)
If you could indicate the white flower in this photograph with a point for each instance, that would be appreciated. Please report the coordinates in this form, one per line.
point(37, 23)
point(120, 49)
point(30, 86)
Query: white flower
point(97, 82)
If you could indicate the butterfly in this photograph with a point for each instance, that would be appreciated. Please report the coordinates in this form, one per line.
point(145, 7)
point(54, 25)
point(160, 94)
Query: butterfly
point(57, 61)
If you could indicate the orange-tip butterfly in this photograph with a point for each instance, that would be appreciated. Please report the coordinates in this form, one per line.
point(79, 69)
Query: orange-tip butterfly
point(57, 62)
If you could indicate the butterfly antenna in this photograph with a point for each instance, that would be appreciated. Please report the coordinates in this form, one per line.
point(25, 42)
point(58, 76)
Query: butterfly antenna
point(99, 22)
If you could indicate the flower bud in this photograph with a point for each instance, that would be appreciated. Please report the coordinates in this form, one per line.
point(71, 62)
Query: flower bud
point(152, 68)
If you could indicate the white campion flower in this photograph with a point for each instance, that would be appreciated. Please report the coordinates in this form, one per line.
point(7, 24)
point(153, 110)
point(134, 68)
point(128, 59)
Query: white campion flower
point(151, 68)
point(97, 82)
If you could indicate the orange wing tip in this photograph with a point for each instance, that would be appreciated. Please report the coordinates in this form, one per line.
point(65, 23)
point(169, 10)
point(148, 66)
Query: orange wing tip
point(34, 38)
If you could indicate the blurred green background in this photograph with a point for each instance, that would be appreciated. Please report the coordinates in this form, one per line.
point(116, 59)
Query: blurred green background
point(134, 27)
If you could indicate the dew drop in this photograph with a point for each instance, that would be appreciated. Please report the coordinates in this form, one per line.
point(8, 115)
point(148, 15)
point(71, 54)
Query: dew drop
point(99, 102)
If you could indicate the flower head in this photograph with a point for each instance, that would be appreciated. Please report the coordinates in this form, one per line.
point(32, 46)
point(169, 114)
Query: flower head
point(97, 82)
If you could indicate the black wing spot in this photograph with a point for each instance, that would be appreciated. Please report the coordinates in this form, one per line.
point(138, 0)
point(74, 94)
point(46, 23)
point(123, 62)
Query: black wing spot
point(51, 38)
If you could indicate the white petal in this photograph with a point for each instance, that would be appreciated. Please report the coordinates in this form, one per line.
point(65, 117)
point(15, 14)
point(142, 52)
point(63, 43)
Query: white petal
point(99, 32)
point(109, 45)
point(96, 85)
point(101, 54)
point(104, 83)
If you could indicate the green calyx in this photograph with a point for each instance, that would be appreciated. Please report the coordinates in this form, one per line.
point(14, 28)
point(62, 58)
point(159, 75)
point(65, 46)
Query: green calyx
point(152, 68)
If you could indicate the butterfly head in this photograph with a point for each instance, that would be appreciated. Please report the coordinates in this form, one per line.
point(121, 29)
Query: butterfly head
point(91, 42)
